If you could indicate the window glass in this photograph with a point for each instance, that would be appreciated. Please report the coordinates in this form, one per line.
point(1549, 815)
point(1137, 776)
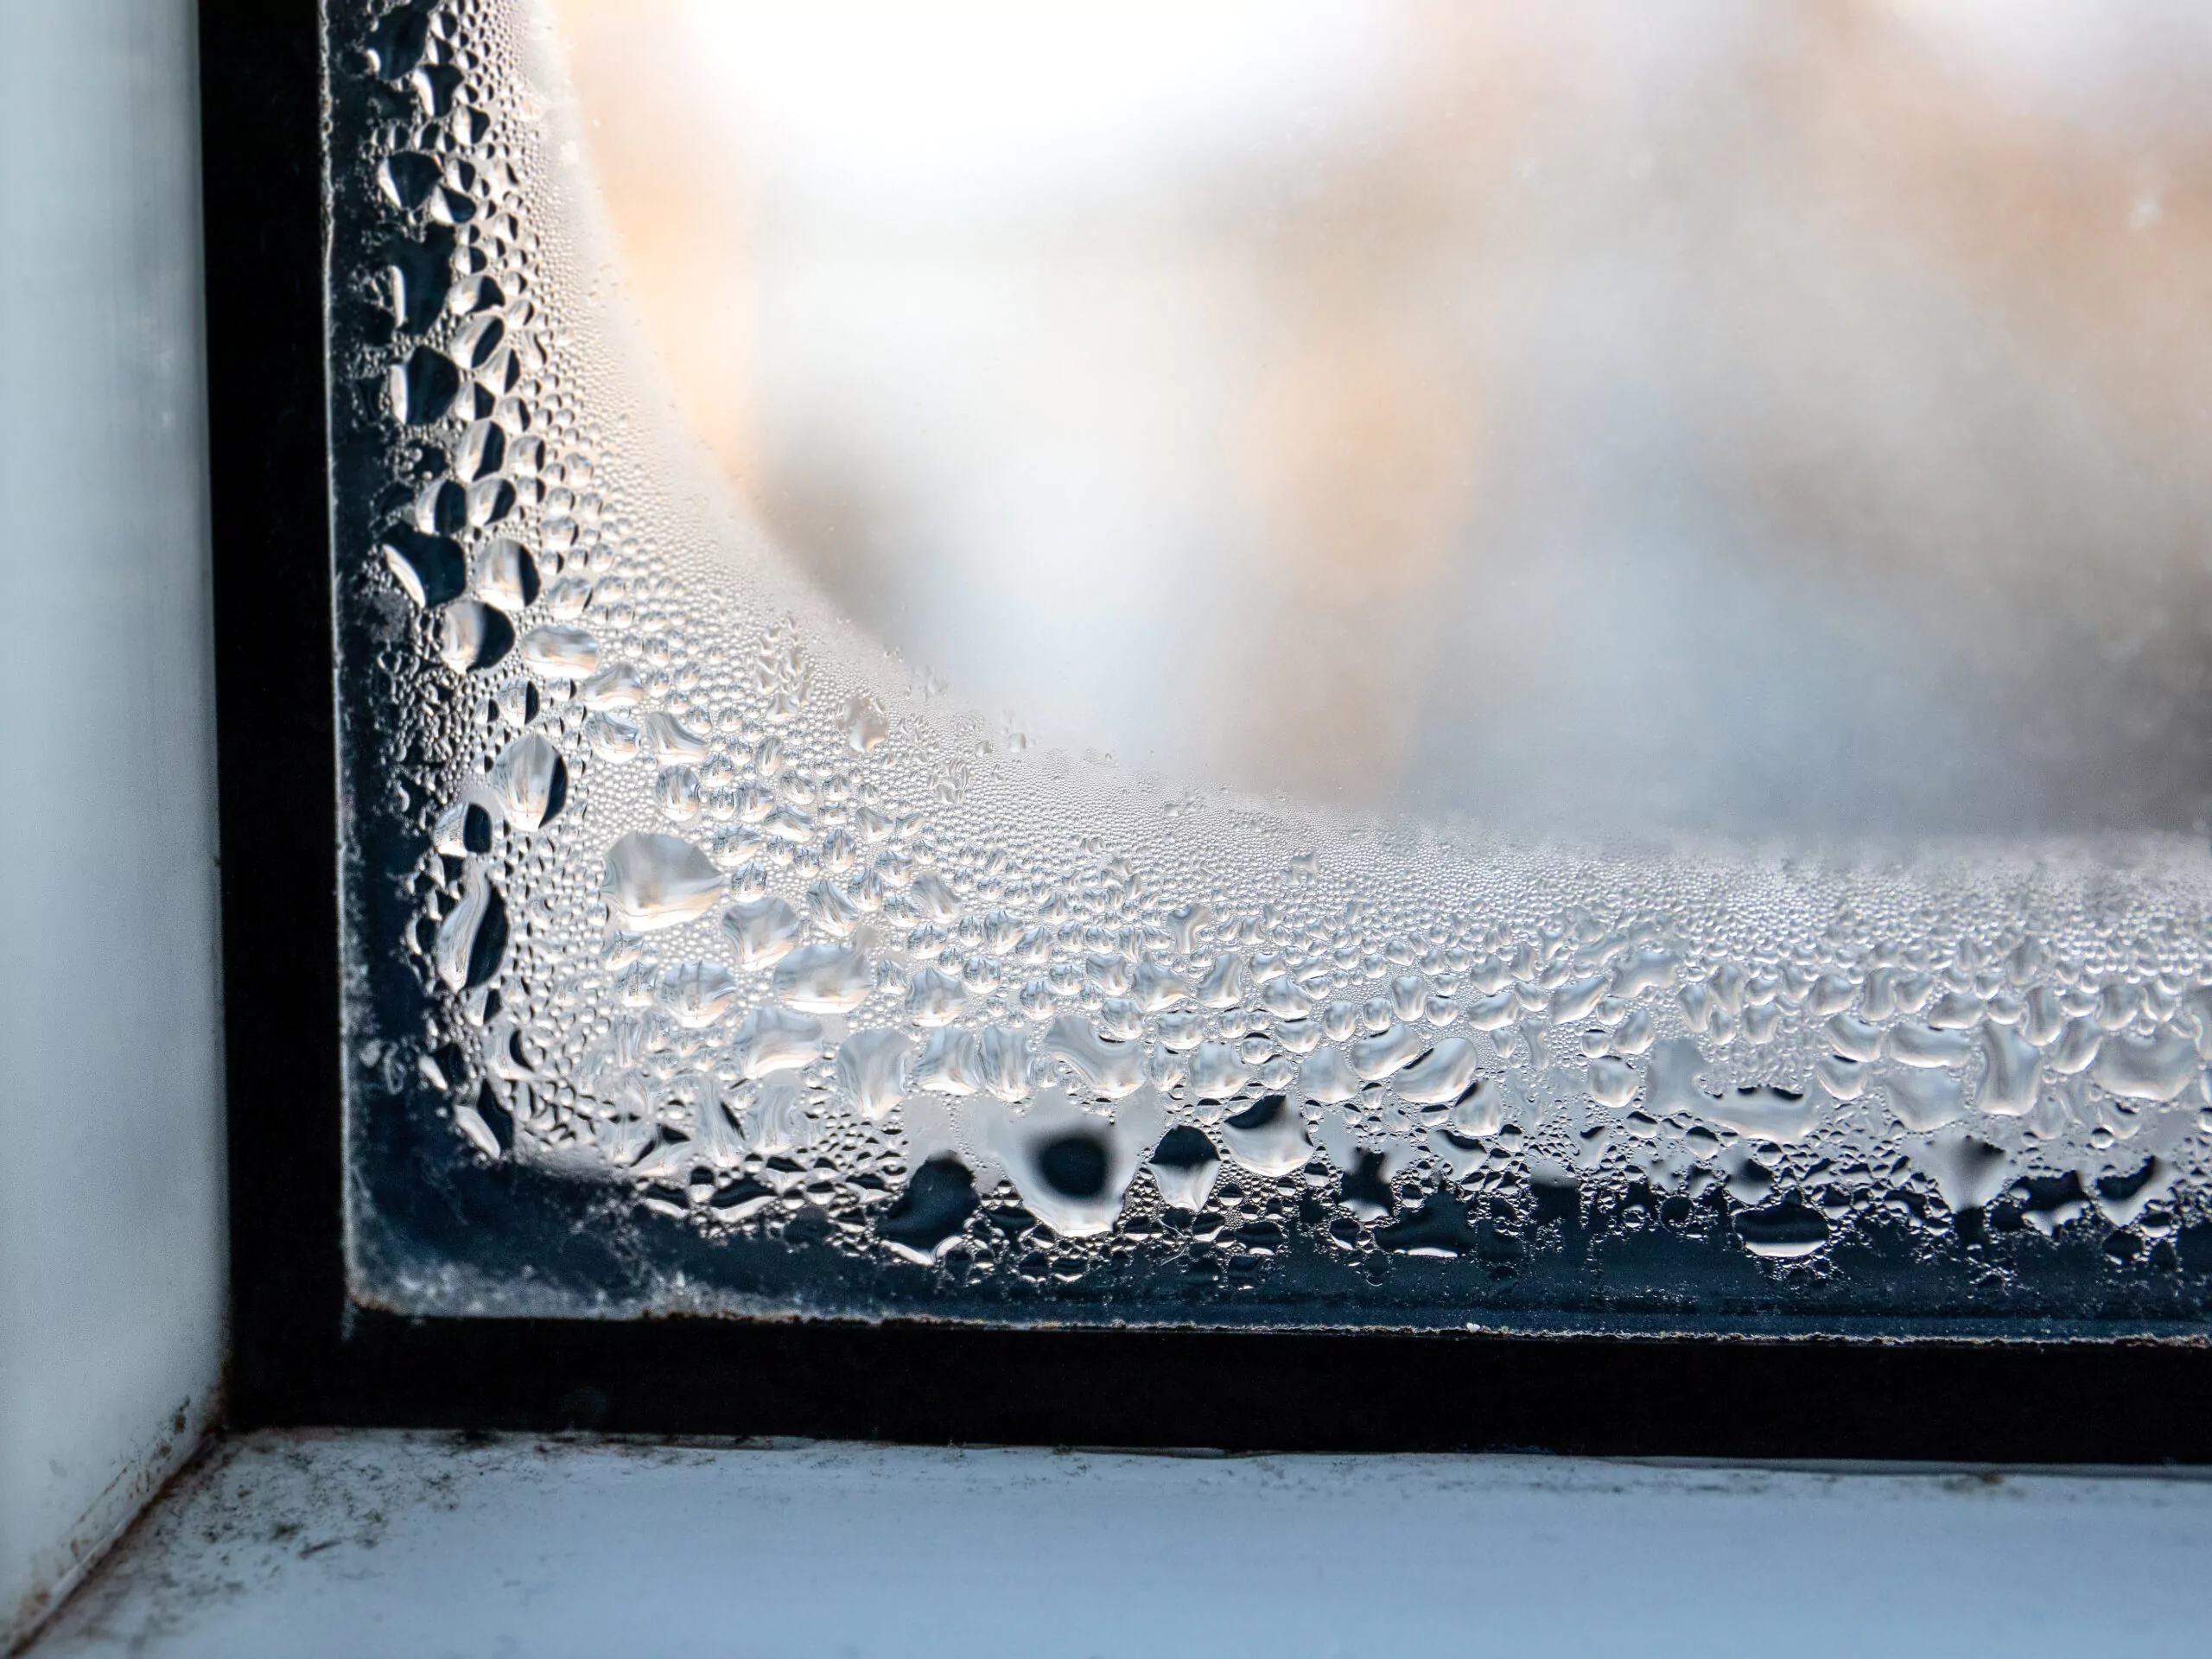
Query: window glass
point(1331, 665)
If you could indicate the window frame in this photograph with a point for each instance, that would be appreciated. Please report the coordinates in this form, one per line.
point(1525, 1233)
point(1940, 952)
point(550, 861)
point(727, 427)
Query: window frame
point(304, 1353)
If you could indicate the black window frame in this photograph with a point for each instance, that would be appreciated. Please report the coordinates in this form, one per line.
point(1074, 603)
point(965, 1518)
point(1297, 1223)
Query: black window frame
point(303, 1353)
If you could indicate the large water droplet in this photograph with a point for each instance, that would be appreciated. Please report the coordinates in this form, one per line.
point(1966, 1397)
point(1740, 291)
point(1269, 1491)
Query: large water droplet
point(471, 636)
point(929, 1214)
point(934, 998)
point(2146, 1068)
point(2123, 1198)
point(933, 898)
point(530, 782)
point(825, 978)
point(1914, 1044)
point(2008, 1078)
point(697, 993)
point(1109, 1070)
point(771, 1039)
point(406, 178)
point(872, 1071)
point(655, 882)
point(1327, 1077)
point(1765, 1113)
point(1924, 1099)
point(428, 569)
point(560, 652)
point(763, 930)
point(946, 1064)
point(1185, 1167)
point(1386, 1052)
point(1969, 1173)
point(616, 686)
point(1782, 1231)
point(474, 935)
point(1441, 1076)
point(866, 726)
point(1073, 1168)
point(424, 387)
point(507, 576)
point(1216, 1071)
point(1267, 1137)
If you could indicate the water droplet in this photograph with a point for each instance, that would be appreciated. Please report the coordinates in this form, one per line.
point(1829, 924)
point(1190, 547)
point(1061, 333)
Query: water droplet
point(1185, 1167)
point(613, 738)
point(676, 793)
point(406, 179)
point(475, 340)
point(1267, 1137)
point(929, 1214)
point(1442, 1075)
point(825, 978)
point(774, 1120)
point(1387, 1051)
point(1495, 1012)
point(671, 741)
point(424, 387)
point(1574, 1000)
point(872, 1071)
point(616, 686)
point(2079, 1040)
point(1765, 1113)
point(1488, 1108)
point(1967, 1172)
point(866, 727)
point(1854, 1038)
point(428, 569)
point(471, 636)
point(507, 576)
point(1327, 1077)
point(946, 1063)
point(560, 652)
point(1924, 1099)
point(1071, 1167)
point(1216, 1071)
point(474, 935)
point(2008, 1078)
point(771, 1039)
point(2146, 1068)
point(1913, 1043)
point(1158, 989)
point(998, 1063)
point(763, 930)
point(2123, 1198)
point(833, 912)
point(1784, 1231)
point(697, 994)
point(934, 998)
point(530, 782)
point(933, 898)
point(1109, 1070)
point(658, 882)
point(1612, 1082)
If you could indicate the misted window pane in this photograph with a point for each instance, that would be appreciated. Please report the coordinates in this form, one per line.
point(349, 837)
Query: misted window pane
point(1320, 663)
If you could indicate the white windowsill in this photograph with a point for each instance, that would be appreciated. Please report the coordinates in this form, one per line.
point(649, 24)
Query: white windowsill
point(337, 1544)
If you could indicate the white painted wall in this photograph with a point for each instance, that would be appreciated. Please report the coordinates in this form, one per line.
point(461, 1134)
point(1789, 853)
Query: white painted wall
point(111, 1220)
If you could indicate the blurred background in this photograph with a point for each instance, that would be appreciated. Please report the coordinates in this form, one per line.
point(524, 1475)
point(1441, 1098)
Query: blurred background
point(1609, 414)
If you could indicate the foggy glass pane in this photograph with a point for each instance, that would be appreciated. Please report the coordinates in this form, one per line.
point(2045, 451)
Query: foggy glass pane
point(1323, 664)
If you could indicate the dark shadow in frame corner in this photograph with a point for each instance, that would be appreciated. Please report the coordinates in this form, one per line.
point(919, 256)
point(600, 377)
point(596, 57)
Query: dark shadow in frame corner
point(302, 1354)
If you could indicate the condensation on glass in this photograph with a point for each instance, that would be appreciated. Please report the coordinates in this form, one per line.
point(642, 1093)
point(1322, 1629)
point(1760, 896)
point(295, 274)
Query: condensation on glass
point(705, 956)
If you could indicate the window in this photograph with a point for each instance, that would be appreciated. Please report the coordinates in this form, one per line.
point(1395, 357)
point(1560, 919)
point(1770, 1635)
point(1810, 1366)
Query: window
point(1672, 813)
